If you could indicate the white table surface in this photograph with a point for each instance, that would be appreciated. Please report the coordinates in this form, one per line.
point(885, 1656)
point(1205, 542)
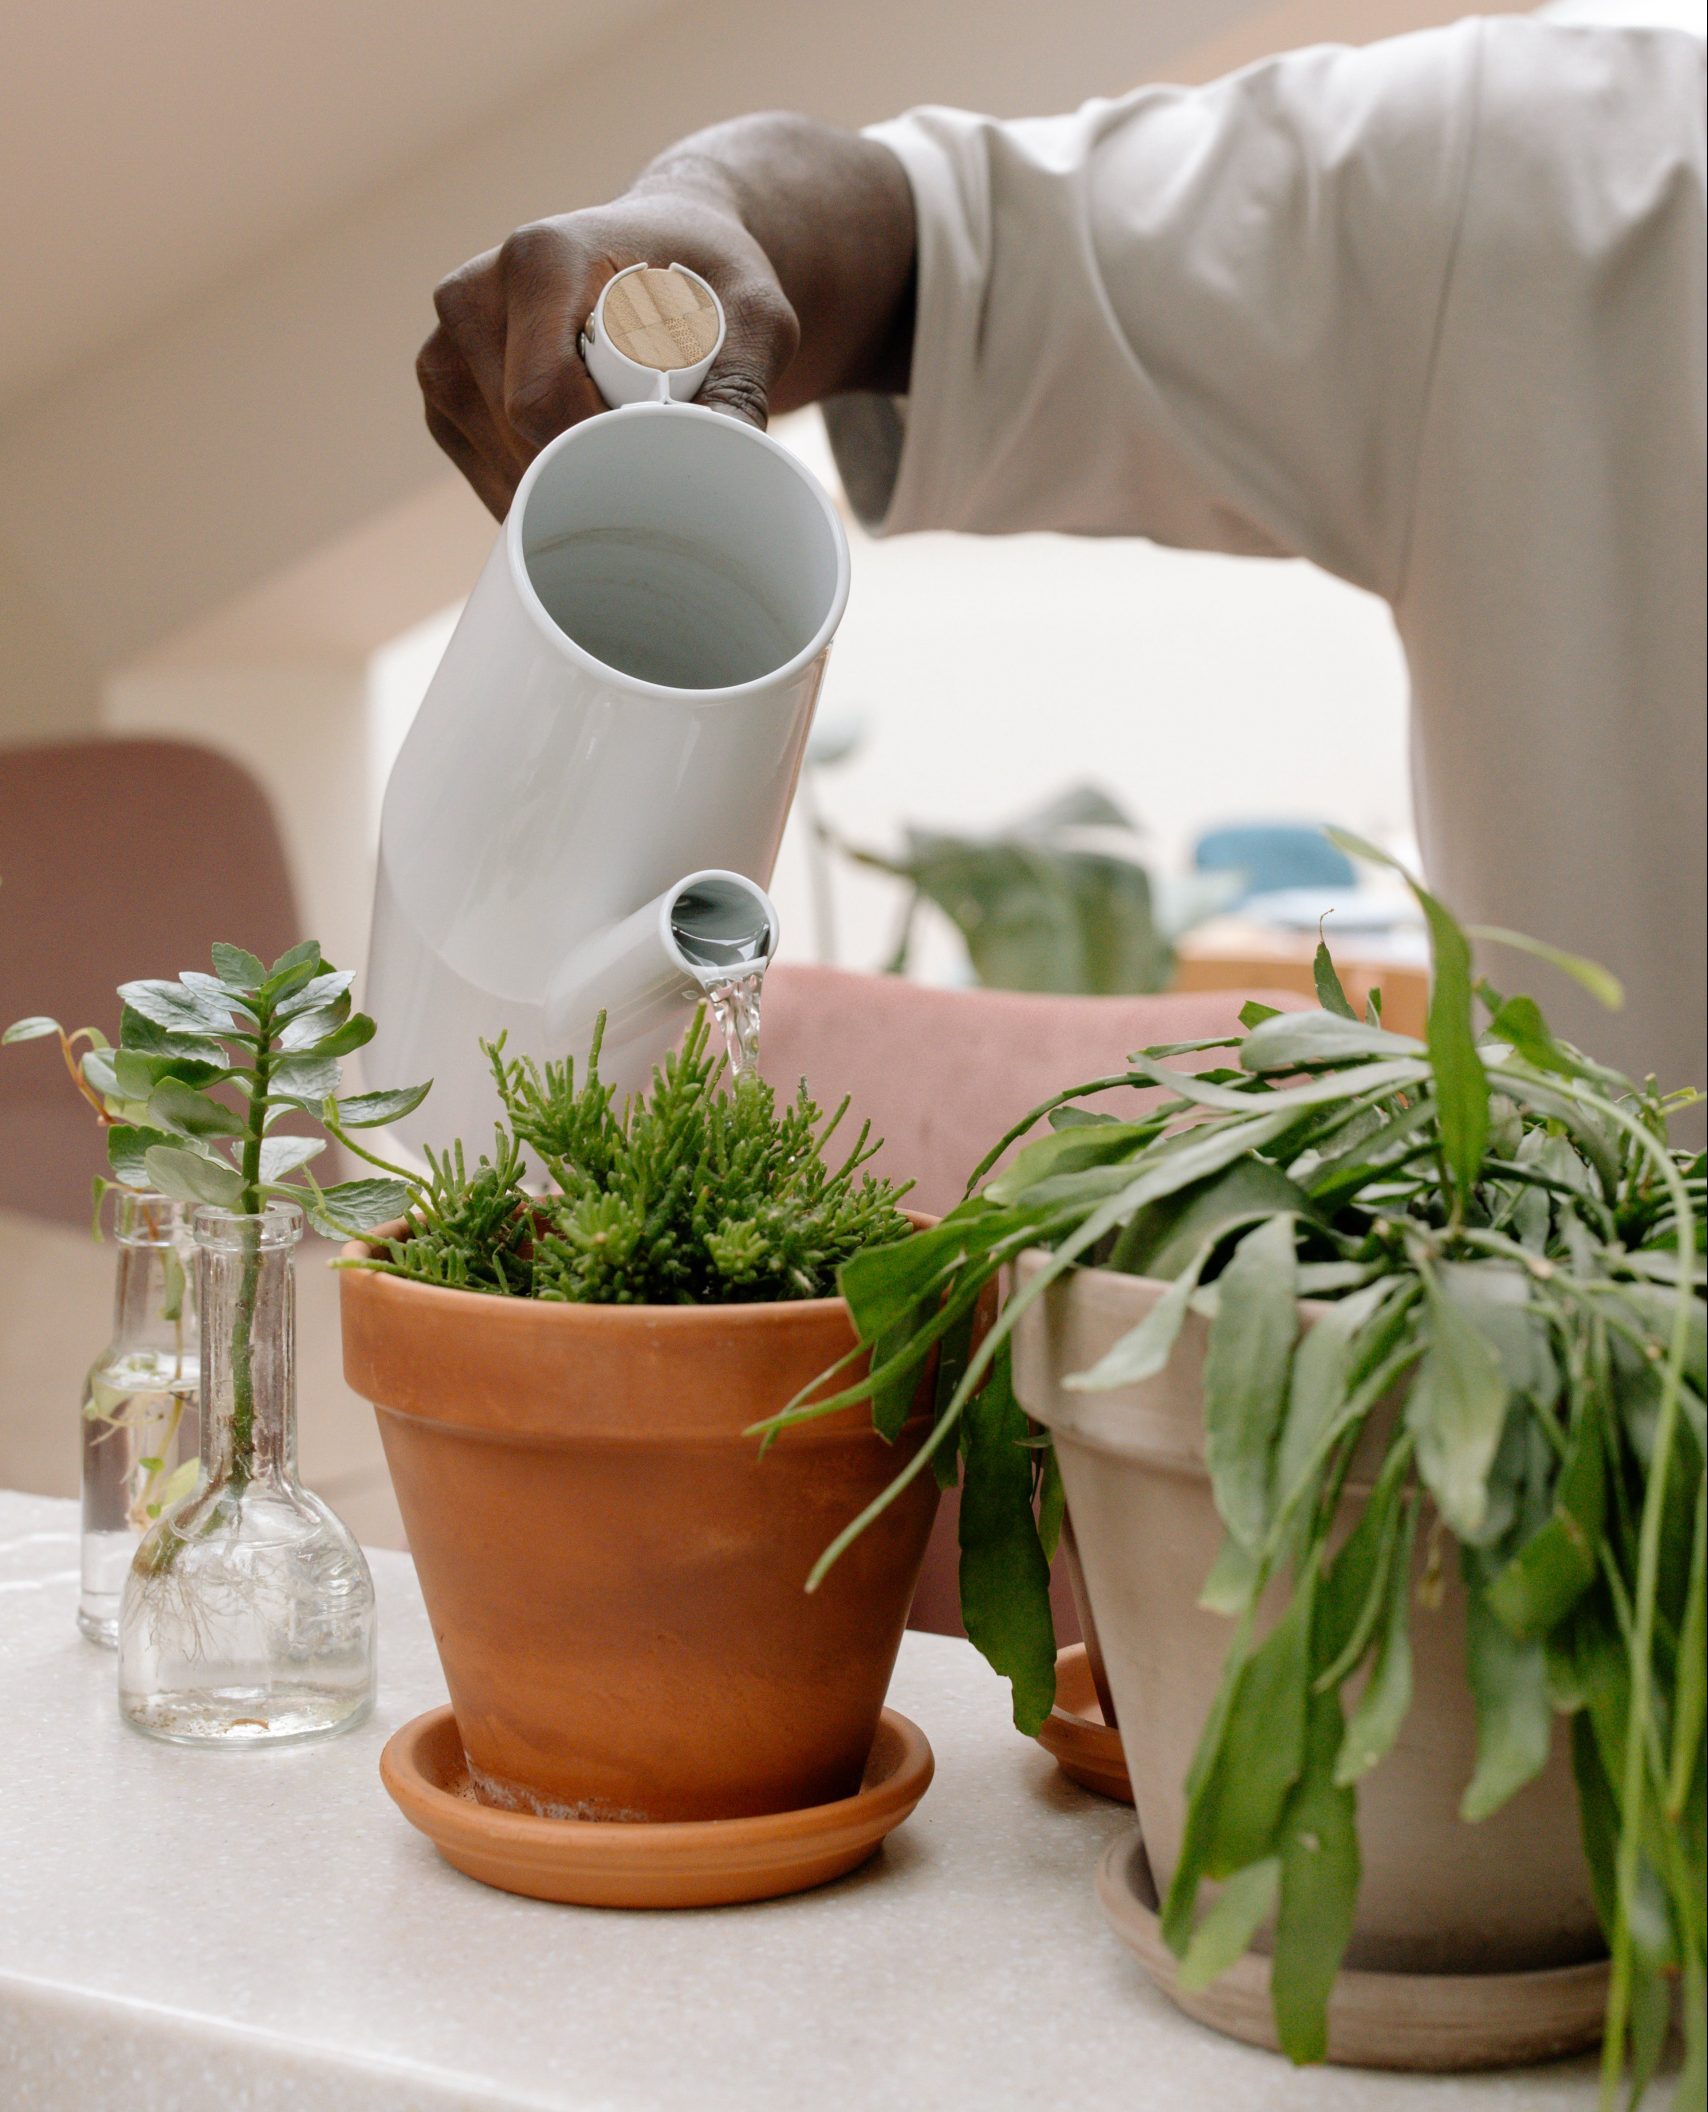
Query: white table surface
point(247, 1932)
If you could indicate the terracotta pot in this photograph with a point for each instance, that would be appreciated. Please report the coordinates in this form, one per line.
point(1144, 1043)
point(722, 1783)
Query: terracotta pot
point(613, 1573)
point(1087, 1623)
point(1438, 1895)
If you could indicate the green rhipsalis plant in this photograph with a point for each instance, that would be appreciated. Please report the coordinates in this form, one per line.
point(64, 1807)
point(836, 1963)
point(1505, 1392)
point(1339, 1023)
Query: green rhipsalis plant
point(205, 1070)
point(1510, 1259)
point(694, 1193)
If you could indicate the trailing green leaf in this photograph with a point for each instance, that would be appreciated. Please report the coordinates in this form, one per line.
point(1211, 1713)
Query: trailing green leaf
point(1515, 1715)
point(1456, 1411)
point(1225, 1932)
point(1545, 1579)
point(1245, 1375)
point(1320, 1870)
point(1381, 1709)
point(1301, 1041)
point(1248, 1760)
point(1355, 1590)
point(1145, 1348)
point(1005, 1576)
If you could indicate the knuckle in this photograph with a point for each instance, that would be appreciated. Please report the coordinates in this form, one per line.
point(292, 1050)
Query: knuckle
point(764, 317)
point(435, 366)
point(534, 247)
point(739, 391)
point(454, 296)
point(535, 406)
point(785, 334)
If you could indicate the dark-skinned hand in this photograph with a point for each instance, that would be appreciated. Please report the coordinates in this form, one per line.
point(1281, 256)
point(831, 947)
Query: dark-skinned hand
point(805, 232)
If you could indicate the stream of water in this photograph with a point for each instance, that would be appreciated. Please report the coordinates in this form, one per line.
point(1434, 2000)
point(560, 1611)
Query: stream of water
point(734, 1004)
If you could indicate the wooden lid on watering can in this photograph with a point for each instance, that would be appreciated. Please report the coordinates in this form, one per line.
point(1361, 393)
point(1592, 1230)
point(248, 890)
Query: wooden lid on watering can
point(653, 335)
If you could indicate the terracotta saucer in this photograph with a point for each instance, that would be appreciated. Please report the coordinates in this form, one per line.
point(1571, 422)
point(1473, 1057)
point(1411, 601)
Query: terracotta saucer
point(593, 1863)
point(1435, 2021)
point(1083, 1746)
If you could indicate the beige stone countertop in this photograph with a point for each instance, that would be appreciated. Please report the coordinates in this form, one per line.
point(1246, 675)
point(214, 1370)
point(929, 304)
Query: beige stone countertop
point(187, 1932)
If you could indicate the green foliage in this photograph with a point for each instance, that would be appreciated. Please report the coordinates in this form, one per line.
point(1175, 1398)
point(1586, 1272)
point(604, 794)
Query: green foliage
point(1500, 1234)
point(205, 1069)
point(695, 1193)
point(1057, 901)
point(92, 1074)
point(1005, 1574)
point(210, 1064)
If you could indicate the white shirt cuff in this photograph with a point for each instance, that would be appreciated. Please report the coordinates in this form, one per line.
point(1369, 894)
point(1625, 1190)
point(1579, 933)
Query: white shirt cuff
point(895, 453)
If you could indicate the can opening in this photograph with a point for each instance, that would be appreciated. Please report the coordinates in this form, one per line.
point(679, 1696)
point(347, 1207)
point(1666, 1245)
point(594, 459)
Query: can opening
point(677, 547)
point(719, 922)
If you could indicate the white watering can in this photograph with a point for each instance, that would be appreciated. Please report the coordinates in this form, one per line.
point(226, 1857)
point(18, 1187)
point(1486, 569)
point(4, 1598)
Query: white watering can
point(586, 812)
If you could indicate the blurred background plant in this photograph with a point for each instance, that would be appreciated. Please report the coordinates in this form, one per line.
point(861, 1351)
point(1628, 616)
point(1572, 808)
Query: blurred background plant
point(1058, 899)
point(1070, 897)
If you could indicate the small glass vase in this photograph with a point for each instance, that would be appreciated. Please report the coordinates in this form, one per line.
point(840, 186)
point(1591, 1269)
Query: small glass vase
point(248, 1612)
point(139, 1402)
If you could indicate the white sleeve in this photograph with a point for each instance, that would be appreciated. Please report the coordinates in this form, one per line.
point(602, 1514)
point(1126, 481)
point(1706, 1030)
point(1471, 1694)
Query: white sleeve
point(1204, 315)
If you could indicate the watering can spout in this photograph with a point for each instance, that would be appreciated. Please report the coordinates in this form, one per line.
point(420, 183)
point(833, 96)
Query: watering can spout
point(644, 973)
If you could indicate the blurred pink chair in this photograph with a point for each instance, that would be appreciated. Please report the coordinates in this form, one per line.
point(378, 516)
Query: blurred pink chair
point(118, 858)
point(941, 1074)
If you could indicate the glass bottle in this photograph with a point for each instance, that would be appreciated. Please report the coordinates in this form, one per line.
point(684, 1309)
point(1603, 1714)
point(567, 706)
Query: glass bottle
point(139, 1402)
point(248, 1612)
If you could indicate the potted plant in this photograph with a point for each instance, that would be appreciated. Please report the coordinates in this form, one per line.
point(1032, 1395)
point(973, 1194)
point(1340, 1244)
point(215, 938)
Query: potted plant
point(564, 1381)
point(1060, 899)
point(1375, 1368)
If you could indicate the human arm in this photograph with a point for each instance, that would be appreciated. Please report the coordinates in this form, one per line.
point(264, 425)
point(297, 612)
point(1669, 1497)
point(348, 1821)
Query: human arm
point(1205, 316)
point(806, 233)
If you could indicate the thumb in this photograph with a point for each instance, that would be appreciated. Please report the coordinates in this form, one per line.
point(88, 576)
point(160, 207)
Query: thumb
point(761, 334)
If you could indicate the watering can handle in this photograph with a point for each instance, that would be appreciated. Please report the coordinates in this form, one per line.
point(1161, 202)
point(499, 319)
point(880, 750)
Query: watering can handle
point(653, 335)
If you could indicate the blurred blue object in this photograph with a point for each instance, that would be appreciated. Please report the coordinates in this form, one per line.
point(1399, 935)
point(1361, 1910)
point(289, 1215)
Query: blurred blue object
point(1274, 855)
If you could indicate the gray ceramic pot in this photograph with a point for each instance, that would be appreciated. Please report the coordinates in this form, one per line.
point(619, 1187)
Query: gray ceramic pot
point(1438, 1895)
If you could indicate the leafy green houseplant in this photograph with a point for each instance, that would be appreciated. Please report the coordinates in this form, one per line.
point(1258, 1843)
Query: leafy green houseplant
point(566, 1344)
point(1059, 900)
point(205, 1072)
point(1507, 1260)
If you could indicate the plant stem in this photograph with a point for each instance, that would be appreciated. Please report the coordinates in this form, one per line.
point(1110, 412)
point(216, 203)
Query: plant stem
point(251, 1202)
point(66, 1045)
